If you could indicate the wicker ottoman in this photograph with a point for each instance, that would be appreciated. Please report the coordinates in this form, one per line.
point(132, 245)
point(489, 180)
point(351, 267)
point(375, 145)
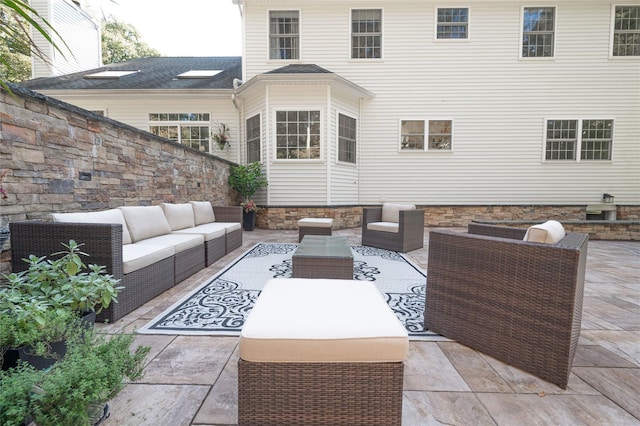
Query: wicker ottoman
point(321, 352)
point(314, 226)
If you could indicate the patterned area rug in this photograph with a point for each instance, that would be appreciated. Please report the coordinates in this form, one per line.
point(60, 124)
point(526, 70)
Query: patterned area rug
point(220, 306)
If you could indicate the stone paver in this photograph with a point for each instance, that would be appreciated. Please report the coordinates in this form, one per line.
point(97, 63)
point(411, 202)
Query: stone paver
point(193, 380)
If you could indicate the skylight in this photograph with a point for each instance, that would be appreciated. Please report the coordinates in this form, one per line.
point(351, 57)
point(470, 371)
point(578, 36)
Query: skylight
point(199, 74)
point(113, 74)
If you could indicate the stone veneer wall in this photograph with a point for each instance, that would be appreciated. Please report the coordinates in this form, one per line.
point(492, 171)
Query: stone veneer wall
point(627, 227)
point(45, 144)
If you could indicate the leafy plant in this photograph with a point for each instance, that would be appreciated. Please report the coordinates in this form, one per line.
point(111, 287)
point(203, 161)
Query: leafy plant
point(247, 180)
point(16, 387)
point(66, 282)
point(221, 136)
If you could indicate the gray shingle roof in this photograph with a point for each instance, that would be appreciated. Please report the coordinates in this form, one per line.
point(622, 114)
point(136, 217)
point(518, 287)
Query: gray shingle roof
point(155, 73)
point(300, 69)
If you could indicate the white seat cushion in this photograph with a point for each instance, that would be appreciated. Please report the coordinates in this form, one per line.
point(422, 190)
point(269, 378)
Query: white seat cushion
point(231, 226)
point(322, 320)
point(209, 231)
point(179, 216)
point(549, 232)
point(145, 222)
point(180, 242)
point(384, 226)
point(203, 212)
point(137, 256)
point(105, 216)
point(314, 222)
point(391, 211)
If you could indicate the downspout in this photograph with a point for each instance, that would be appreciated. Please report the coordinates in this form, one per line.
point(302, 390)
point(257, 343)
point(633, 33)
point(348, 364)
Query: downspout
point(236, 83)
point(329, 143)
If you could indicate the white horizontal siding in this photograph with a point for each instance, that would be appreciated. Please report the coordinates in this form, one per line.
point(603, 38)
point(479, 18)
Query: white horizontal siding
point(497, 101)
point(134, 109)
point(78, 42)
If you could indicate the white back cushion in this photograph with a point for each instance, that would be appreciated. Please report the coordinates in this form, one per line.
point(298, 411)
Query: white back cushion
point(179, 216)
point(549, 232)
point(203, 212)
point(391, 211)
point(105, 216)
point(145, 221)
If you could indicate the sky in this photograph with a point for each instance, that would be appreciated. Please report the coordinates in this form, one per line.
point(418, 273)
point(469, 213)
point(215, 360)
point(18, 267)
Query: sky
point(180, 28)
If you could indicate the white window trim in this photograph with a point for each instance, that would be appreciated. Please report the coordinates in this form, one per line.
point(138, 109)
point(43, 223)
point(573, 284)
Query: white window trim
point(426, 135)
point(354, 116)
point(262, 141)
point(555, 34)
point(612, 21)
point(578, 140)
point(300, 49)
point(451, 40)
point(382, 24)
point(274, 134)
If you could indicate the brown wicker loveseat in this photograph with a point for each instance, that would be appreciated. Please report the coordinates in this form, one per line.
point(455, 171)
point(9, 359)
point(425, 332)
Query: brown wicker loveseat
point(517, 301)
point(149, 248)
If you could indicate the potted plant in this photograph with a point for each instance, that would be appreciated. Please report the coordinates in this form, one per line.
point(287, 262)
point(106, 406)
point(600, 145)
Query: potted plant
point(221, 136)
point(77, 388)
point(48, 299)
point(247, 180)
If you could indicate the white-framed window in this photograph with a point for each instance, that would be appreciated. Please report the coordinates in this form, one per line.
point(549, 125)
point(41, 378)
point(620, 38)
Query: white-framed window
point(298, 135)
point(253, 138)
point(592, 138)
point(452, 23)
point(538, 32)
point(430, 135)
point(366, 33)
point(284, 34)
point(626, 31)
point(191, 128)
point(347, 131)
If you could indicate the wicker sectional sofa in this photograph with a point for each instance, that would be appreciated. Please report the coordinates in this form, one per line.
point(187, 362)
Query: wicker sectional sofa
point(149, 248)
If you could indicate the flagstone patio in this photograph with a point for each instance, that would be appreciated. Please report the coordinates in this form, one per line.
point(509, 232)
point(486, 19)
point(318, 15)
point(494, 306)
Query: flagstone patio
point(192, 380)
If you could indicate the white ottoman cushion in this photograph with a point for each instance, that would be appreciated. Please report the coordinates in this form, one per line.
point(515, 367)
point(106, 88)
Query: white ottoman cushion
point(322, 320)
point(312, 222)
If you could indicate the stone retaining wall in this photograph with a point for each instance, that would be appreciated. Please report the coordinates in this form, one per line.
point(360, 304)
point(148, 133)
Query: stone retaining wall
point(50, 147)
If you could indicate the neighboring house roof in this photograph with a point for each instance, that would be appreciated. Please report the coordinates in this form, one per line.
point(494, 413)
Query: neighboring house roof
point(151, 73)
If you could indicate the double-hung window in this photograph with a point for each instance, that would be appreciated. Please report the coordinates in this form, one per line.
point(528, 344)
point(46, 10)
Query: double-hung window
point(453, 23)
point(626, 31)
point(366, 33)
point(538, 32)
point(284, 34)
point(253, 138)
point(191, 129)
point(346, 138)
point(298, 135)
point(438, 136)
point(592, 138)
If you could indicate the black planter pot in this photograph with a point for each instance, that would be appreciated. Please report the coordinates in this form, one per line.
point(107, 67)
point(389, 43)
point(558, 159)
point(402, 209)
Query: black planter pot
point(248, 220)
point(58, 349)
point(10, 359)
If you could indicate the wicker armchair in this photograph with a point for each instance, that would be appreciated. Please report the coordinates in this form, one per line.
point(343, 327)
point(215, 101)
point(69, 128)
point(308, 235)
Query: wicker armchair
point(516, 301)
point(377, 228)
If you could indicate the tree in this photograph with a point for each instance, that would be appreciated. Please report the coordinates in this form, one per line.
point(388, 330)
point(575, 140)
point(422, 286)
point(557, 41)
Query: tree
point(122, 42)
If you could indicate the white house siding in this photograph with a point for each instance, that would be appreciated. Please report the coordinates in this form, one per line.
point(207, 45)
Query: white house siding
point(498, 102)
point(80, 46)
point(134, 108)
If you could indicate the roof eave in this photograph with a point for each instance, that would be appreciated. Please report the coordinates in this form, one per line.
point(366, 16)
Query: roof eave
point(293, 78)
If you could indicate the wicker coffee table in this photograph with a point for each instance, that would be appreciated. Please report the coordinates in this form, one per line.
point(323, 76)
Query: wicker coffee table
point(320, 256)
